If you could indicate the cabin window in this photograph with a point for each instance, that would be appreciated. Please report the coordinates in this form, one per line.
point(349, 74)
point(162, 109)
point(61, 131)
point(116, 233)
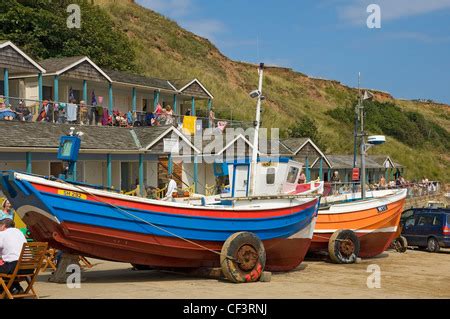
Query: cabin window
point(270, 176)
point(292, 175)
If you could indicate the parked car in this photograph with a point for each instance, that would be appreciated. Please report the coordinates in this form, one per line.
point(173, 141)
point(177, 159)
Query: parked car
point(427, 228)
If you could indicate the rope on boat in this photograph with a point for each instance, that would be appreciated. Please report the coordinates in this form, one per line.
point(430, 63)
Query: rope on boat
point(143, 220)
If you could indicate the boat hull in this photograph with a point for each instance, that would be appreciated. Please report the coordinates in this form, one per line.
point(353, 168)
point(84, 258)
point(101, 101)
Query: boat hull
point(374, 221)
point(83, 223)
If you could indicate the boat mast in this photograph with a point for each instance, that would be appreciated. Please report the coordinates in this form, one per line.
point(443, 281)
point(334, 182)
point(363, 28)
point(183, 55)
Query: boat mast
point(362, 151)
point(254, 162)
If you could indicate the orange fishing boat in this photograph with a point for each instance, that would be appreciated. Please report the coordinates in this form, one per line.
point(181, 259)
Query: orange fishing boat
point(351, 227)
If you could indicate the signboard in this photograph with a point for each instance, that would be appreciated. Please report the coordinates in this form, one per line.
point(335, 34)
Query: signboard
point(355, 174)
point(171, 145)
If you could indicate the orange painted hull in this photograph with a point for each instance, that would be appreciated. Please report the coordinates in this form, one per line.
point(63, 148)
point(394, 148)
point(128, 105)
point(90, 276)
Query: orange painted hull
point(375, 226)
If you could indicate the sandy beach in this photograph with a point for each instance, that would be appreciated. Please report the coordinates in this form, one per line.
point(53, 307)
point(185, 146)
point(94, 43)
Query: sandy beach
point(415, 274)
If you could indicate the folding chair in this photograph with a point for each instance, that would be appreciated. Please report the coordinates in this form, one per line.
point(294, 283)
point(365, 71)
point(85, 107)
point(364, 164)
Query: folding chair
point(49, 260)
point(86, 262)
point(27, 269)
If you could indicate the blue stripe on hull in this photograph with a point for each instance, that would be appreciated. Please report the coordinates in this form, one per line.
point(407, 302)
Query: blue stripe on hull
point(190, 227)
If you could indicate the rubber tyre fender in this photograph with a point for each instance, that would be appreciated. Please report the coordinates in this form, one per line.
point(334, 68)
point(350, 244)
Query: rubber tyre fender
point(334, 245)
point(253, 248)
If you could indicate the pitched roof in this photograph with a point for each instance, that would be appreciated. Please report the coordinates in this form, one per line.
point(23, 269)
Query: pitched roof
point(193, 87)
point(23, 58)
point(54, 65)
point(62, 65)
point(294, 144)
point(346, 162)
point(133, 79)
point(47, 135)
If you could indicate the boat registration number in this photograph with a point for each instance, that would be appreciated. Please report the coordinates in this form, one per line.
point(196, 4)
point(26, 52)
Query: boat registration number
point(382, 209)
point(71, 194)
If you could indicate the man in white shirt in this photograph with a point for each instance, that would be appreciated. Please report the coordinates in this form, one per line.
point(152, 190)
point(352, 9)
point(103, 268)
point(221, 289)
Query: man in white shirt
point(11, 243)
point(171, 189)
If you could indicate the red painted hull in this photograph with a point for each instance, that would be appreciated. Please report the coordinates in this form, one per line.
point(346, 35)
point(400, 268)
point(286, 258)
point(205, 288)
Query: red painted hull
point(150, 250)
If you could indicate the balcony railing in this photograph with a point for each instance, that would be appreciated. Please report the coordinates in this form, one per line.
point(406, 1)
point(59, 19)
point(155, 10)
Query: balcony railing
point(19, 109)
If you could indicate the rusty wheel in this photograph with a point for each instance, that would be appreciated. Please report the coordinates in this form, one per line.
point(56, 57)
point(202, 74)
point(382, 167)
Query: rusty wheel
point(243, 258)
point(344, 247)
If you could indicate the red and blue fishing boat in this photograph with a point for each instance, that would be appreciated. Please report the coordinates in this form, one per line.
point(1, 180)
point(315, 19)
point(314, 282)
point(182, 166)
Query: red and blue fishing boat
point(107, 225)
point(242, 235)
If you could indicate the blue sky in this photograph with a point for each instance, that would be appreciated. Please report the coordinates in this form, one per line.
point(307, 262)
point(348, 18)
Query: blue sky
point(408, 57)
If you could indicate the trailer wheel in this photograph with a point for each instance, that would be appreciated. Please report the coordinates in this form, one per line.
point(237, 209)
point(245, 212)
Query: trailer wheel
point(400, 244)
point(243, 258)
point(344, 247)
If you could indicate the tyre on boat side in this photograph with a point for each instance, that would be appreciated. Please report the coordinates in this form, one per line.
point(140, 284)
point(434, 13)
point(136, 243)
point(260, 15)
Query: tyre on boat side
point(344, 247)
point(243, 258)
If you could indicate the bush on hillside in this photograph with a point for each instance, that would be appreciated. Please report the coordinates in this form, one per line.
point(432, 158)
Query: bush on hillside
point(411, 128)
point(39, 27)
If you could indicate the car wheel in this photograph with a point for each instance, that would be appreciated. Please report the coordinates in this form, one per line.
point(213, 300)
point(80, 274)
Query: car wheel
point(433, 245)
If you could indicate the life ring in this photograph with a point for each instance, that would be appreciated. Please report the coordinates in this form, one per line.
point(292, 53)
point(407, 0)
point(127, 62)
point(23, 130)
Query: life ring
point(344, 247)
point(243, 258)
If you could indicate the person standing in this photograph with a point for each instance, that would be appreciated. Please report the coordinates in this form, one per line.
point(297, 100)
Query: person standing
point(171, 189)
point(212, 119)
point(11, 243)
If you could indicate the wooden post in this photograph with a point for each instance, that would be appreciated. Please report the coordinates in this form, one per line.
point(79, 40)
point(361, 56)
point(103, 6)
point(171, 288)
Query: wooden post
point(193, 106)
point(195, 174)
point(109, 170)
point(155, 100)
point(111, 99)
point(321, 170)
point(141, 174)
point(170, 164)
point(308, 172)
point(134, 100)
point(29, 165)
point(175, 104)
point(6, 85)
point(85, 92)
point(56, 89)
point(40, 90)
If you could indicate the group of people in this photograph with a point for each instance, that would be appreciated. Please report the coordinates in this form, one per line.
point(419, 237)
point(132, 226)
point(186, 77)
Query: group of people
point(11, 243)
point(8, 113)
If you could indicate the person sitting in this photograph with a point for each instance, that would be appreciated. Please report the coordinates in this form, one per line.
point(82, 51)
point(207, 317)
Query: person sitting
point(7, 210)
point(11, 243)
point(382, 184)
point(23, 113)
point(169, 115)
point(6, 113)
point(302, 178)
point(150, 119)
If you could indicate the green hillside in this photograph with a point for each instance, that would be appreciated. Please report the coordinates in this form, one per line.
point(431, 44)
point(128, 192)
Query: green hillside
point(160, 48)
